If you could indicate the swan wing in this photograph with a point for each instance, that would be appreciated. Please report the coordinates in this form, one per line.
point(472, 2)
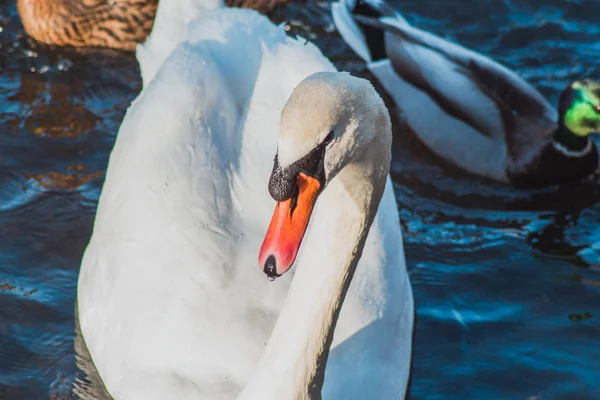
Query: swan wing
point(170, 272)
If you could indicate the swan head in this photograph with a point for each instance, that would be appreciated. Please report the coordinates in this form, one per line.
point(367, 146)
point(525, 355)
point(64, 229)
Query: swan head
point(579, 107)
point(329, 120)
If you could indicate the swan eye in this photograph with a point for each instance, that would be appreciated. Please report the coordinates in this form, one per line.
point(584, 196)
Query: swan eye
point(328, 139)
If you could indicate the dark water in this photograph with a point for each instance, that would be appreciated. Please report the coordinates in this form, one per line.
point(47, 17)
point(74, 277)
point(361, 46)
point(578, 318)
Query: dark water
point(506, 282)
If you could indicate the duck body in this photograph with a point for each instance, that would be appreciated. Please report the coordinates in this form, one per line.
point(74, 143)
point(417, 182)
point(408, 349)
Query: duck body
point(171, 304)
point(466, 108)
point(117, 24)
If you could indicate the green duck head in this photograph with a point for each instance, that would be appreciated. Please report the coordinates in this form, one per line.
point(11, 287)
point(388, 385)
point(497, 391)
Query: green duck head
point(579, 108)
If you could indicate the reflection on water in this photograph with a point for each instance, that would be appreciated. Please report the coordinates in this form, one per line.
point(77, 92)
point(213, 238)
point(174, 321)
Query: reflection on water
point(73, 179)
point(506, 282)
point(88, 387)
point(49, 112)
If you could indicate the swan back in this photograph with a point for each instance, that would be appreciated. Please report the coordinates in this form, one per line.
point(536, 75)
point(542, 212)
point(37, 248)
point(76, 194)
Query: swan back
point(170, 28)
point(185, 204)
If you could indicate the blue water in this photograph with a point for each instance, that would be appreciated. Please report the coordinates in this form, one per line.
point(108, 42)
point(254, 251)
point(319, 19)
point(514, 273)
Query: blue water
point(506, 282)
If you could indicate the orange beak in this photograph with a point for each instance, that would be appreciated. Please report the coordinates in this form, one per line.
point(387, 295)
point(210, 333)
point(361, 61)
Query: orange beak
point(287, 228)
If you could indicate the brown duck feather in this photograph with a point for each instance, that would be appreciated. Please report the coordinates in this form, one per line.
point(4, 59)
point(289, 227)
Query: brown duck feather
point(118, 24)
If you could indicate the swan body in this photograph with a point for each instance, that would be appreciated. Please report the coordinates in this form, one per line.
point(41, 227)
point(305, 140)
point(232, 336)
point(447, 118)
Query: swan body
point(171, 304)
point(469, 109)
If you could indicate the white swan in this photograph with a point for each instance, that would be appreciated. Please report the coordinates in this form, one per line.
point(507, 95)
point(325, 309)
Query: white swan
point(171, 304)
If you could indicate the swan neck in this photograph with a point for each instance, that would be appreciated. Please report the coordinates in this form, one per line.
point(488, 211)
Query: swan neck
point(293, 363)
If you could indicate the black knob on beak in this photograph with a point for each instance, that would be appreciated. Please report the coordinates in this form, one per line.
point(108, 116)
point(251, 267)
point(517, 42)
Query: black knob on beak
point(271, 267)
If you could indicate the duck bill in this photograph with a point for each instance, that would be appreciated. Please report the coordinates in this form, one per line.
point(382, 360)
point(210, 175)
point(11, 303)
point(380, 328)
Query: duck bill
point(287, 227)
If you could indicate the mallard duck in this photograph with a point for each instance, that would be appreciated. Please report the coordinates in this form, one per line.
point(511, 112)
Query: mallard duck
point(471, 110)
point(171, 302)
point(117, 24)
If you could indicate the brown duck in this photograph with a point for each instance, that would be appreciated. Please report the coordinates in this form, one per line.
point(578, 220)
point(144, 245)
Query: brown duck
point(118, 24)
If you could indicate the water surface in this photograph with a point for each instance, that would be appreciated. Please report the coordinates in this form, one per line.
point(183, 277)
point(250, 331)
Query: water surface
point(506, 282)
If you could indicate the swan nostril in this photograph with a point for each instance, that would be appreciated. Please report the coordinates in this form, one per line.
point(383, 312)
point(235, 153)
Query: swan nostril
point(271, 268)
